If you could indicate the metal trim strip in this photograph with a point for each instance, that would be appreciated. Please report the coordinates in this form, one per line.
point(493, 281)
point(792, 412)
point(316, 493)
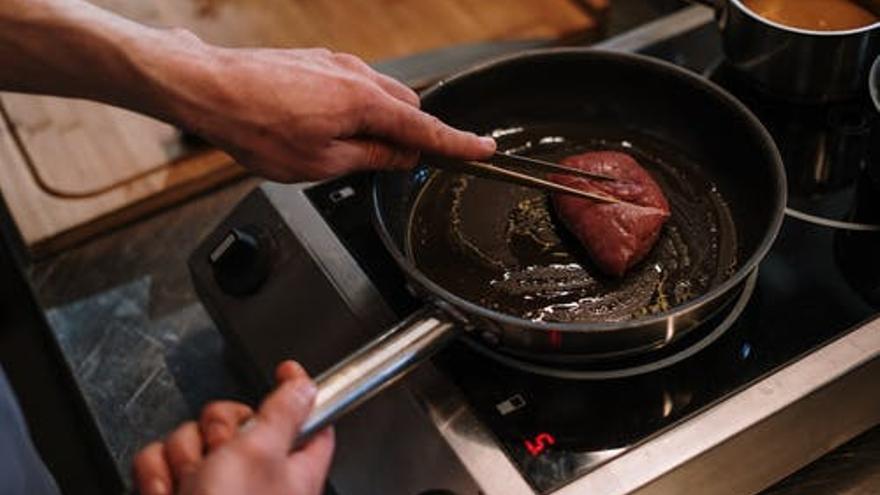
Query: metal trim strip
point(664, 28)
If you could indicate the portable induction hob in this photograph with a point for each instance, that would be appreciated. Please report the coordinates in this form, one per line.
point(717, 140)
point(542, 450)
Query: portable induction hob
point(786, 373)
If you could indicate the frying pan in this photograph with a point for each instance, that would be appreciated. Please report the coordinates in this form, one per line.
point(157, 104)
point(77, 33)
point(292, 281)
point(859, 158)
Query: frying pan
point(443, 229)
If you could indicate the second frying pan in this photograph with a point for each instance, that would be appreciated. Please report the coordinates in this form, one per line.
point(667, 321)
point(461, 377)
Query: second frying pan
point(461, 241)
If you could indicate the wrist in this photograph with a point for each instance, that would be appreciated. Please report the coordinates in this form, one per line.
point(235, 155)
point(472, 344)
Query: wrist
point(75, 49)
point(174, 70)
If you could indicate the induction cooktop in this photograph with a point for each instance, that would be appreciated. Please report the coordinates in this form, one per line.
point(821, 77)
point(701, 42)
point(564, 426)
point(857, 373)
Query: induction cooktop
point(733, 409)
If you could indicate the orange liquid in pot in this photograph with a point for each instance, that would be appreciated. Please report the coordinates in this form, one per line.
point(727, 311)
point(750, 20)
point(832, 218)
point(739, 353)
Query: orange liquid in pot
point(815, 15)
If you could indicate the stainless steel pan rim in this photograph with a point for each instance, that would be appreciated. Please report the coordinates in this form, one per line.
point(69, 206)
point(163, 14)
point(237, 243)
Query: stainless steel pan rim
point(806, 32)
point(669, 317)
point(553, 370)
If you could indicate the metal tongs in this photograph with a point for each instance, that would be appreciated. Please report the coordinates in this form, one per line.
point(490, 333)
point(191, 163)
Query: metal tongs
point(520, 170)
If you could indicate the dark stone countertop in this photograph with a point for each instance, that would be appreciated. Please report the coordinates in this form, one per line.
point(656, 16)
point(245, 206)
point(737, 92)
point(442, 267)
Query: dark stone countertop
point(144, 353)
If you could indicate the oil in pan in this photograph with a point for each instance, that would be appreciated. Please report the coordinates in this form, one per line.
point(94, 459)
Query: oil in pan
point(500, 246)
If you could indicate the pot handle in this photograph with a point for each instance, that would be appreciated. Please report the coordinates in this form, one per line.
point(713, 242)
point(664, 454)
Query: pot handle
point(376, 365)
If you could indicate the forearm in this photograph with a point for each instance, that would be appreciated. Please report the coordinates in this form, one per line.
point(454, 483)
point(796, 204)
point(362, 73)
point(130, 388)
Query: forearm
point(287, 114)
point(72, 48)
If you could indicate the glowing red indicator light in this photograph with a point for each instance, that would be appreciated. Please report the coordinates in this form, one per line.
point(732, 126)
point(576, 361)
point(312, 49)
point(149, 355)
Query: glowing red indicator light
point(539, 443)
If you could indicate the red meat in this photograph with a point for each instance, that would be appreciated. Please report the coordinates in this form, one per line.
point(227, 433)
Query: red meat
point(617, 236)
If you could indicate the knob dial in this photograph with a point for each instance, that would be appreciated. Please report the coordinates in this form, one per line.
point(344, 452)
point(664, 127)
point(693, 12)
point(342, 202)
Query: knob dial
point(241, 261)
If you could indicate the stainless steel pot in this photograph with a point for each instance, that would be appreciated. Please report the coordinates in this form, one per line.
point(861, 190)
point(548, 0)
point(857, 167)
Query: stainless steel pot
point(856, 249)
point(797, 64)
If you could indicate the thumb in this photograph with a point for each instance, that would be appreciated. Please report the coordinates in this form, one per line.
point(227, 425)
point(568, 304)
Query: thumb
point(284, 411)
point(410, 127)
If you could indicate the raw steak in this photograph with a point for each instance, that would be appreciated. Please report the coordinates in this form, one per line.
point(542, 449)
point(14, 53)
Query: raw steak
point(617, 236)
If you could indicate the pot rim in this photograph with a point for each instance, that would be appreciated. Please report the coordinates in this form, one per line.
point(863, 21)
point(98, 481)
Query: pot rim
point(874, 83)
point(808, 32)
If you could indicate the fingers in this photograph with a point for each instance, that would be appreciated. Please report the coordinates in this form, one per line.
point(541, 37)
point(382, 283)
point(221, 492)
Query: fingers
point(411, 128)
point(289, 370)
point(220, 421)
point(361, 154)
point(397, 89)
point(390, 85)
point(311, 463)
point(151, 472)
point(183, 449)
point(283, 412)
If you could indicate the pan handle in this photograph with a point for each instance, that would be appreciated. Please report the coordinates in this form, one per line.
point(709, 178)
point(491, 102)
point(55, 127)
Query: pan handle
point(376, 365)
point(713, 4)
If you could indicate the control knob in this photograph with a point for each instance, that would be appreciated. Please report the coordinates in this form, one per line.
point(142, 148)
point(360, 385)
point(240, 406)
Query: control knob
point(241, 261)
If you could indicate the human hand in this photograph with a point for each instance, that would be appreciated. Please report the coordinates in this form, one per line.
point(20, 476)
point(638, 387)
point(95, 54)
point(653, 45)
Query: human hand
point(286, 114)
point(215, 456)
point(307, 114)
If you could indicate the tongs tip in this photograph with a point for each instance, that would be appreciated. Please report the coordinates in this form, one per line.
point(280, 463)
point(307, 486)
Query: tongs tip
point(548, 166)
point(495, 171)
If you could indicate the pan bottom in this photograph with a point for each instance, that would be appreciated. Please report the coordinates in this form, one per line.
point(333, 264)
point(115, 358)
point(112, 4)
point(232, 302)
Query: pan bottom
point(500, 245)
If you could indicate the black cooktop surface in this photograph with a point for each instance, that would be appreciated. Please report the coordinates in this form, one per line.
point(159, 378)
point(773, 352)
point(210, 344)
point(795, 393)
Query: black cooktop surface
point(814, 286)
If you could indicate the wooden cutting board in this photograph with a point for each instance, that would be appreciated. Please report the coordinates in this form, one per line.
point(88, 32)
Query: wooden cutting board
point(71, 168)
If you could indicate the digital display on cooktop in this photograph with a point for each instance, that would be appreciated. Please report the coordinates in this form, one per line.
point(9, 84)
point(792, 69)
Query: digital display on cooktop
point(809, 290)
